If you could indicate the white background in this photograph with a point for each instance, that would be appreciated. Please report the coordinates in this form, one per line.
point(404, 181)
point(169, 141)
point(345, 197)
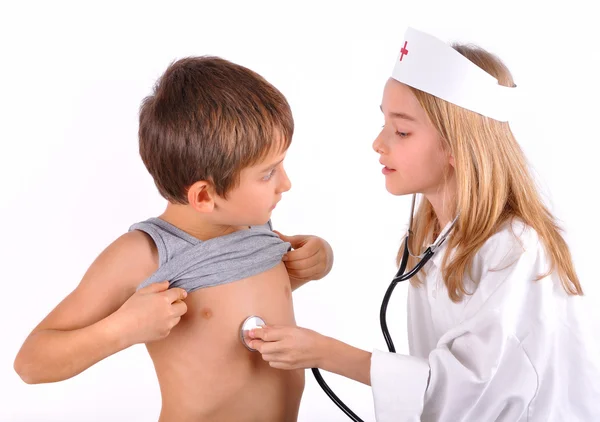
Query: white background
point(71, 81)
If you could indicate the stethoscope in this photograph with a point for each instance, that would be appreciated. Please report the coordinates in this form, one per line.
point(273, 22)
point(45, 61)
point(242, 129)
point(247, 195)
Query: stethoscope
point(254, 321)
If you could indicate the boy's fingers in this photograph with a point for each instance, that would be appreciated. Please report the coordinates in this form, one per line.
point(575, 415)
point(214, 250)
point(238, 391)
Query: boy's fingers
point(299, 264)
point(176, 294)
point(305, 272)
point(179, 308)
point(296, 241)
point(156, 287)
point(301, 253)
point(283, 236)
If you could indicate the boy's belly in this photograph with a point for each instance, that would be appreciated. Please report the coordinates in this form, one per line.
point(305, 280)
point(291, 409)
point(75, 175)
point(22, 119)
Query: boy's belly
point(206, 373)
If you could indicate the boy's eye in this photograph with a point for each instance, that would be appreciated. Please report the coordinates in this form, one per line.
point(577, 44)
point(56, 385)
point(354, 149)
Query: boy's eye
point(268, 176)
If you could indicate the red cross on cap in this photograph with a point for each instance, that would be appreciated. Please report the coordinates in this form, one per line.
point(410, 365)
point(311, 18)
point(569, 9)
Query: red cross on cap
point(403, 51)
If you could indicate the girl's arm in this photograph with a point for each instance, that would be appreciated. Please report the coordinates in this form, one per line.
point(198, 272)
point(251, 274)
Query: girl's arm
point(295, 347)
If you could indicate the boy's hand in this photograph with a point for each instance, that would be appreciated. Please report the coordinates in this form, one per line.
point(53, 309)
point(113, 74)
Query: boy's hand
point(289, 347)
point(150, 313)
point(311, 259)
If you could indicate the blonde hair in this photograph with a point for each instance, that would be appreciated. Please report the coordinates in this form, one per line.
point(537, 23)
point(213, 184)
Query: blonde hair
point(493, 186)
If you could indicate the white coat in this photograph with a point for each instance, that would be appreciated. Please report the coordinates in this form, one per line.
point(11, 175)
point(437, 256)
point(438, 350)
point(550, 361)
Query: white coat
point(515, 350)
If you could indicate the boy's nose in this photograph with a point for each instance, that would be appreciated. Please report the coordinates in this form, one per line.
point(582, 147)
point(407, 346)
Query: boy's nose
point(285, 184)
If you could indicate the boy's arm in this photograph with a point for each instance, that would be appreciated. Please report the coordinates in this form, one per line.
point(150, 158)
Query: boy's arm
point(103, 315)
point(311, 259)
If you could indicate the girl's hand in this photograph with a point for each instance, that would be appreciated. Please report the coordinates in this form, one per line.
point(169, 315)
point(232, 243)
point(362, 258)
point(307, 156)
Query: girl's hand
point(286, 347)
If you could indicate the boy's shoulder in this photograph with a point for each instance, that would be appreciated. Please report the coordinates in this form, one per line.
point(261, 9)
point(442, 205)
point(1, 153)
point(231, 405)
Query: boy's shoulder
point(133, 252)
point(123, 264)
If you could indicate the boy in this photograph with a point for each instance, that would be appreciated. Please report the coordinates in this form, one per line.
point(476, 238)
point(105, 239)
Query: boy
point(213, 136)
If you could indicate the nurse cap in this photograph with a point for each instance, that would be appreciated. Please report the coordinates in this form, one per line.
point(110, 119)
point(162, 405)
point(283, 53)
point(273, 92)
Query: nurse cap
point(430, 65)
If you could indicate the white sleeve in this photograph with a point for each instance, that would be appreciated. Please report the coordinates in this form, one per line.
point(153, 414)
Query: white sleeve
point(396, 399)
point(479, 370)
point(468, 377)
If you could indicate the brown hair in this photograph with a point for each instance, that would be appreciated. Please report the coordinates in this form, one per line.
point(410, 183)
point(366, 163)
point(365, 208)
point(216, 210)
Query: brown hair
point(494, 185)
point(207, 119)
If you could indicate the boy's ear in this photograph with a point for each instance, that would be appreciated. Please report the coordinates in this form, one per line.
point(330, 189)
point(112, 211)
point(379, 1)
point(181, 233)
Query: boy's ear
point(201, 196)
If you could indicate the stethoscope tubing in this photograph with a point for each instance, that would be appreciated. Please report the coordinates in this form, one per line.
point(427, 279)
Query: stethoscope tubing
point(399, 277)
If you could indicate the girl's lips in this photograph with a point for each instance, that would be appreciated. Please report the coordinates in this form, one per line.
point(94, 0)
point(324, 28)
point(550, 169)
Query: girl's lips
point(387, 170)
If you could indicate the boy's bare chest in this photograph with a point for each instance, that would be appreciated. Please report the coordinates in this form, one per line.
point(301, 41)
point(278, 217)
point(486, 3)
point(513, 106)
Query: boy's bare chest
point(204, 357)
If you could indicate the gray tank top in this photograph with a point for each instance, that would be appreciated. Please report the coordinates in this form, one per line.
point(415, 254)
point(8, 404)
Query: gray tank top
point(193, 264)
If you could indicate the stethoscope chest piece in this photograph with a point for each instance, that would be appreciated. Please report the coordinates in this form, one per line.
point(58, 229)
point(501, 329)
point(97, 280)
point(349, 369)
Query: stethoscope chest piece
point(250, 323)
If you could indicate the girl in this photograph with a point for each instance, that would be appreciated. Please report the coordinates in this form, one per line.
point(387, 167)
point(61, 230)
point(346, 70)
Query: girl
point(494, 331)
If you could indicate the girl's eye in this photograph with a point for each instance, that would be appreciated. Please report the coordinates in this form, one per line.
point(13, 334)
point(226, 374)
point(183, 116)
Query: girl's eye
point(398, 133)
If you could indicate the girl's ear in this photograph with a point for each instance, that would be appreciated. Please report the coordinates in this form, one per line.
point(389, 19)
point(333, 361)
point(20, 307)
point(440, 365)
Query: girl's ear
point(447, 150)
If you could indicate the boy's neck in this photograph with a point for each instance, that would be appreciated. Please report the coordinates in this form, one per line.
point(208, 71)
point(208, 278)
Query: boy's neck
point(195, 224)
